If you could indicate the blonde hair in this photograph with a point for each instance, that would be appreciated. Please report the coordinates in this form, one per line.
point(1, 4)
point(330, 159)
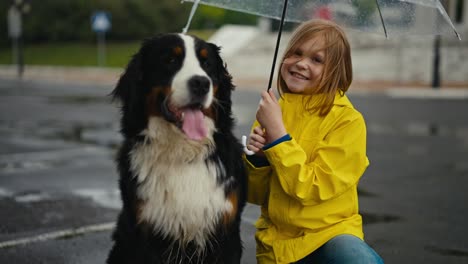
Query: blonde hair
point(337, 73)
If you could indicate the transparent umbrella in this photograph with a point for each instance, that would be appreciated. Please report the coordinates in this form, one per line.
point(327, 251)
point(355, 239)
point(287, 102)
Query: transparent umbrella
point(388, 17)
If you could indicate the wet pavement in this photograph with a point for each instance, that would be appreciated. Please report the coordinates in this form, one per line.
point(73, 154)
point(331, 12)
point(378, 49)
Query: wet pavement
point(58, 182)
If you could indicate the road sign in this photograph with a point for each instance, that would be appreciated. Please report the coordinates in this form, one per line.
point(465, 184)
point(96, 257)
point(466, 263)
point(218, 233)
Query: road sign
point(14, 22)
point(100, 22)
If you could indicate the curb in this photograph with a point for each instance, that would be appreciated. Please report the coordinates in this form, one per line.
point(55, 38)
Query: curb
point(110, 76)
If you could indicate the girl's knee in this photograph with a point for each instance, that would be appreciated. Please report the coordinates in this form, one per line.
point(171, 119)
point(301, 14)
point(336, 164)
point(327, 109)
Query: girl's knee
point(349, 249)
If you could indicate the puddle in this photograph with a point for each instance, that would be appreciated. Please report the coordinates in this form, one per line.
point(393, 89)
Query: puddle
point(447, 251)
point(79, 99)
point(106, 198)
point(364, 193)
point(34, 161)
point(5, 193)
point(102, 135)
point(458, 167)
point(58, 211)
point(21, 166)
point(31, 197)
point(370, 218)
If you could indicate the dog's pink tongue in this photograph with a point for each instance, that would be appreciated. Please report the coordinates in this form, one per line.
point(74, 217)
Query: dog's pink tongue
point(193, 125)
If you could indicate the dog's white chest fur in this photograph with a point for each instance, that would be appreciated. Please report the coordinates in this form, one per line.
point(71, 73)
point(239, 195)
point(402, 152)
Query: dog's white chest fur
point(178, 187)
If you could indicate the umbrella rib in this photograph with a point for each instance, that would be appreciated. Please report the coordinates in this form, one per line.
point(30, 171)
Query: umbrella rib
point(442, 11)
point(381, 18)
point(277, 44)
point(192, 13)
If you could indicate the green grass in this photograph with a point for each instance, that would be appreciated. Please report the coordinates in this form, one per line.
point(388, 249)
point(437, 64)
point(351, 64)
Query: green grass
point(73, 54)
point(79, 54)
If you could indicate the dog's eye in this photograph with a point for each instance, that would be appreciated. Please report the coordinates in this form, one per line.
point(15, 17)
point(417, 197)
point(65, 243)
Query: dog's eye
point(205, 63)
point(170, 60)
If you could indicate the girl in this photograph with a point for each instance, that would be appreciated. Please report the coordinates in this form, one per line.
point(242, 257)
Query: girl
point(310, 151)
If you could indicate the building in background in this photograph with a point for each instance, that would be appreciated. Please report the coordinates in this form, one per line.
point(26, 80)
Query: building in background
point(410, 60)
point(458, 11)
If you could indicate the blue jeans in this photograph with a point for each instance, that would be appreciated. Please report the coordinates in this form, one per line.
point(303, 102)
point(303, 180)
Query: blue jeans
point(343, 249)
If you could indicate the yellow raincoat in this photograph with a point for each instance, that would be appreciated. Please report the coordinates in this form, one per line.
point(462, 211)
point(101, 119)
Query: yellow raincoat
point(308, 193)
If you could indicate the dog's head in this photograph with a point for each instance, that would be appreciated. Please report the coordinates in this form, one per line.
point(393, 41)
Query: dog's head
point(180, 79)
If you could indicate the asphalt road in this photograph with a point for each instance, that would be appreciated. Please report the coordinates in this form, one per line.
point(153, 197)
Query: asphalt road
point(58, 182)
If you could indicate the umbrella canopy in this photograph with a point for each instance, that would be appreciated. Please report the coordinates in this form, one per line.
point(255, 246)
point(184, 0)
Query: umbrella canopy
point(388, 17)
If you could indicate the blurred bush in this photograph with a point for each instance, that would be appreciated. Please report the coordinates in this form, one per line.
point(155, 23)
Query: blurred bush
point(70, 20)
point(208, 17)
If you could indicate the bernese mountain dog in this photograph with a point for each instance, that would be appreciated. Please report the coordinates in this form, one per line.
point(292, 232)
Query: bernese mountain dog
point(182, 178)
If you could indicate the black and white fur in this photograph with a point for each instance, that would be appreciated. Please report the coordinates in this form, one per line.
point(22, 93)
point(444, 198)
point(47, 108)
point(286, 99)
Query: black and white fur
point(182, 198)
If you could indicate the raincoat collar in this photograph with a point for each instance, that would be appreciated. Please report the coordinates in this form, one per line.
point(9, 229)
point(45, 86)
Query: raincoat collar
point(340, 100)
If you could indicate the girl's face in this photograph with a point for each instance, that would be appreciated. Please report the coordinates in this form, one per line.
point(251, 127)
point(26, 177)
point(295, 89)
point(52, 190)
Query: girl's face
point(303, 68)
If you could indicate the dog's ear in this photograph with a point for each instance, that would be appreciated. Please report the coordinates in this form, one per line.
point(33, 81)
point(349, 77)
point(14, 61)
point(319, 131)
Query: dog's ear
point(126, 92)
point(129, 80)
point(224, 77)
point(225, 120)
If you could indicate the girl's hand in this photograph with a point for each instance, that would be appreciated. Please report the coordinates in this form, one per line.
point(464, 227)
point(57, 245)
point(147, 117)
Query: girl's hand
point(270, 117)
point(257, 141)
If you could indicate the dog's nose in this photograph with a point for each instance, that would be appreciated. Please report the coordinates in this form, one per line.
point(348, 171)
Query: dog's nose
point(199, 85)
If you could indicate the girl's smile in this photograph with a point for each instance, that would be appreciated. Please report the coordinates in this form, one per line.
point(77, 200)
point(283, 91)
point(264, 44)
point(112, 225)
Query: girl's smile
point(298, 75)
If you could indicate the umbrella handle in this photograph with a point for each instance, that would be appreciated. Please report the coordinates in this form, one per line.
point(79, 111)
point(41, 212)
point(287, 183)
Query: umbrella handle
point(247, 151)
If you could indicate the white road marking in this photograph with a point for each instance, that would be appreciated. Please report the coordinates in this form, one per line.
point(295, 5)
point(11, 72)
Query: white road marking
point(103, 197)
point(74, 232)
point(32, 197)
point(58, 234)
point(41, 160)
point(5, 192)
point(61, 154)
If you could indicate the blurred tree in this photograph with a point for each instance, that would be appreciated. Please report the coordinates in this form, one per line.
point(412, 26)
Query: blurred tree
point(233, 17)
point(70, 20)
point(54, 20)
point(208, 17)
point(4, 5)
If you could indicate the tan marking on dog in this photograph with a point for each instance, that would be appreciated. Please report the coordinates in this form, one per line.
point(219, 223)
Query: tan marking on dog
point(178, 50)
point(210, 112)
point(229, 216)
point(152, 108)
point(204, 53)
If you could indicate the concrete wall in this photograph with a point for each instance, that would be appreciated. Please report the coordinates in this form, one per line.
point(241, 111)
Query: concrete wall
point(408, 59)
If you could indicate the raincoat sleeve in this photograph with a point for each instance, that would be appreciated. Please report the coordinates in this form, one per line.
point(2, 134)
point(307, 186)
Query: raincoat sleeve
point(258, 179)
point(336, 163)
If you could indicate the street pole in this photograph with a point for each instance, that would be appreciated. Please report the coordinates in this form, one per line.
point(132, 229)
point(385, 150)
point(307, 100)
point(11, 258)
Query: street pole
point(101, 36)
point(14, 51)
point(15, 29)
point(100, 23)
point(20, 57)
point(436, 80)
point(436, 64)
